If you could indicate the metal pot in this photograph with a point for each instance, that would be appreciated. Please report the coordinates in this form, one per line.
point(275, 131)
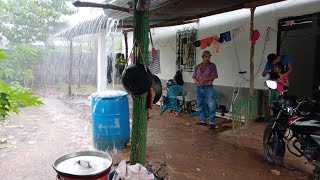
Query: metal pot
point(157, 88)
point(136, 79)
point(84, 165)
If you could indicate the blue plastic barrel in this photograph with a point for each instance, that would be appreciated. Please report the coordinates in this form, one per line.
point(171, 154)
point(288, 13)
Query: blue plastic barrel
point(110, 120)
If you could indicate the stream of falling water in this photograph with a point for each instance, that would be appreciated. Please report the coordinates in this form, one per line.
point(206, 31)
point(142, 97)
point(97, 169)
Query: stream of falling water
point(82, 59)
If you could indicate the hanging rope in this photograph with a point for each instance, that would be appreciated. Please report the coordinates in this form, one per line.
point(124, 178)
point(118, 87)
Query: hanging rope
point(267, 38)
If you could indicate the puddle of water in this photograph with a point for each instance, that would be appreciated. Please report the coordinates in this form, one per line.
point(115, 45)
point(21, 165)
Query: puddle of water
point(31, 142)
point(12, 142)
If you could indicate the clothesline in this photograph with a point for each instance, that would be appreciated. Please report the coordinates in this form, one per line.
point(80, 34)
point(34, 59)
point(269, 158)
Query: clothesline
point(216, 41)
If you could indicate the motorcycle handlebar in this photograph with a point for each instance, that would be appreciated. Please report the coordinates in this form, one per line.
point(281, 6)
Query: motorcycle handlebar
point(299, 104)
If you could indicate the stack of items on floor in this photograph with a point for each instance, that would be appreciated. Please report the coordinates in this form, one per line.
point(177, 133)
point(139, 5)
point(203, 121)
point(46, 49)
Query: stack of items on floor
point(131, 172)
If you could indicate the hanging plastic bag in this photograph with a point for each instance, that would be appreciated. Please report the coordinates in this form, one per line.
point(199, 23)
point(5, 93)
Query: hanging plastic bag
point(178, 78)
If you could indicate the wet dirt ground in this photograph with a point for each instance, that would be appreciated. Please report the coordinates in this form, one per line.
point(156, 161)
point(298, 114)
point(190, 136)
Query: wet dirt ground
point(34, 139)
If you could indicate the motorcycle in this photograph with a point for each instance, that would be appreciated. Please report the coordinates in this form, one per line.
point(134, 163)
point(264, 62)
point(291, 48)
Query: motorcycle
point(297, 122)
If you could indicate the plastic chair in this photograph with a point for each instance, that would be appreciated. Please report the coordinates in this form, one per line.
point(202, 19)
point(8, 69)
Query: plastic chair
point(171, 100)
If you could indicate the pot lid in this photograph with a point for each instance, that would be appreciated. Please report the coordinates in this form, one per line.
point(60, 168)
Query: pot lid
point(85, 163)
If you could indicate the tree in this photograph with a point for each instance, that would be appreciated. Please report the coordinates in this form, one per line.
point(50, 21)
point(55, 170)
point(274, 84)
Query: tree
point(29, 21)
point(19, 66)
point(24, 22)
point(13, 96)
point(140, 112)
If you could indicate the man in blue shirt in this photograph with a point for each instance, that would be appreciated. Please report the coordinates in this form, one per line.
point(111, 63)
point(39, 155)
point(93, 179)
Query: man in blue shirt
point(273, 59)
point(286, 65)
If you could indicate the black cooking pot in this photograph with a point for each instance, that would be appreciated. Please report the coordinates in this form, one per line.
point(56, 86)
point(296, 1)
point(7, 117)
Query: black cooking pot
point(157, 88)
point(136, 79)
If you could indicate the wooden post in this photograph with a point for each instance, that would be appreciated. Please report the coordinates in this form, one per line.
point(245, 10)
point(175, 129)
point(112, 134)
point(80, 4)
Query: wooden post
point(140, 112)
point(251, 53)
point(125, 34)
point(70, 67)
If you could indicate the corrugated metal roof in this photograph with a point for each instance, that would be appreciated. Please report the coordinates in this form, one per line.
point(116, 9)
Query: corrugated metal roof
point(169, 12)
point(88, 27)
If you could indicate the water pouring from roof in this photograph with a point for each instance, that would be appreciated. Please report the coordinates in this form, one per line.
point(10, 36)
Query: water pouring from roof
point(84, 54)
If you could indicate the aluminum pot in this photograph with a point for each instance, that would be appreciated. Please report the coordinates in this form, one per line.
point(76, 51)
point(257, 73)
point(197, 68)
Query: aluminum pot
point(84, 165)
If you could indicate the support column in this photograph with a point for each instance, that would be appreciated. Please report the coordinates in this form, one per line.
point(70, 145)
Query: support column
point(101, 63)
point(125, 34)
point(251, 53)
point(70, 67)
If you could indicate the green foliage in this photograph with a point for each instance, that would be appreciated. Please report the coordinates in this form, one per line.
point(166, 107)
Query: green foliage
point(29, 21)
point(13, 96)
point(18, 65)
point(121, 61)
point(3, 55)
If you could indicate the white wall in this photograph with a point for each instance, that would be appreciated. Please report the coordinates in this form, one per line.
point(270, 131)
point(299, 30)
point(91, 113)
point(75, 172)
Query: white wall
point(265, 16)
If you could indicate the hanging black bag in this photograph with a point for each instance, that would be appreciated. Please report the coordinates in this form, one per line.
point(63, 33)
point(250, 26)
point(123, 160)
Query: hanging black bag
point(178, 78)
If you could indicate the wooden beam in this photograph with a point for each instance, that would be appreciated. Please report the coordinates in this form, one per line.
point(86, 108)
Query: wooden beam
point(78, 3)
point(129, 28)
point(257, 3)
point(232, 8)
point(251, 53)
point(174, 23)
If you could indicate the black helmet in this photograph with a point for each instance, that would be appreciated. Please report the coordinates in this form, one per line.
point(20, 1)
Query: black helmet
point(171, 82)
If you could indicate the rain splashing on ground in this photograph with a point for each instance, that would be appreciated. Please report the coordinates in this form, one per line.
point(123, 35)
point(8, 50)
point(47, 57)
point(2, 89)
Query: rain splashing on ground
point(80, 62)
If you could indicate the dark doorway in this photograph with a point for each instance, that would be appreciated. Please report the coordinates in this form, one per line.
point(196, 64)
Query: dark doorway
point(298, 37)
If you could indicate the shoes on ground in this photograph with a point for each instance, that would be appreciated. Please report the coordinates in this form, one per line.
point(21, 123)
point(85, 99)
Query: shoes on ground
point(201, 123)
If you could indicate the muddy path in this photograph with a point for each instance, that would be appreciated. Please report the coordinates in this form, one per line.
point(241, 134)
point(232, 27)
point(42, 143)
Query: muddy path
point(38, 136)
point(195, 152)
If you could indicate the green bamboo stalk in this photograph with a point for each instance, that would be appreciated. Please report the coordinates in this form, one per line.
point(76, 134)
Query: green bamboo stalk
point(140, 112)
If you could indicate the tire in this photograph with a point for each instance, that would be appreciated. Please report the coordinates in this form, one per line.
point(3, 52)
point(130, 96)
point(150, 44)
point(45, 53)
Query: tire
point(273, 150)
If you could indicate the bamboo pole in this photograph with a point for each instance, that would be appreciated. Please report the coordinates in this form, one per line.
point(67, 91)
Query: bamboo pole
point(140, 112)
point(251, 53)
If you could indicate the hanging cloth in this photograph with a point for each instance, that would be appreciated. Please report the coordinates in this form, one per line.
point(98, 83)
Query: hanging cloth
point(188, 50)
point(197, 43)
point(255, 36)
point(154, 52)
point(235, 32)
point(225, 37)
point(216, 43)
point(206, 42)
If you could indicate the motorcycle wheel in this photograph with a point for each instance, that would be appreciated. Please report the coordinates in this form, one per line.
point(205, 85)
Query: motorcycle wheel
point(273, 145)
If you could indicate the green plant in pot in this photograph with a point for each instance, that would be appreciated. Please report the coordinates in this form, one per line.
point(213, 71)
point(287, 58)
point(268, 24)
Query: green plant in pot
point(121, 63)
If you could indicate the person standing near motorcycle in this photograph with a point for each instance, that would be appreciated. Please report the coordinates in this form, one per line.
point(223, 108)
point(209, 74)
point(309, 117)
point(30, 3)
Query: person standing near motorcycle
point(273, 59)
point(286, 66)
point(283, 80)
point(204, 75)
point(282, 83)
